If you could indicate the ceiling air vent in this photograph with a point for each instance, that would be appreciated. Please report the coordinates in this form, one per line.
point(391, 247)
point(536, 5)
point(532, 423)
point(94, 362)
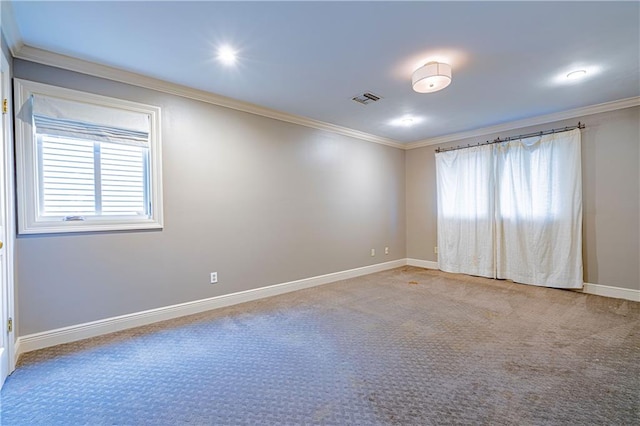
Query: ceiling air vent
point(366, 98)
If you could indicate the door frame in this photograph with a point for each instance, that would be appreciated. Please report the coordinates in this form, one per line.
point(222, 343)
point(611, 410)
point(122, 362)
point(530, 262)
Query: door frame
point(9, 214)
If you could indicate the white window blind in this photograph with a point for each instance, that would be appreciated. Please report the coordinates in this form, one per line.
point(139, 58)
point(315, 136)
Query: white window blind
point(83, 120)
point(123, 172)
point(82, 178)
point(86, 162)
point(67, 177)
point(90, 168)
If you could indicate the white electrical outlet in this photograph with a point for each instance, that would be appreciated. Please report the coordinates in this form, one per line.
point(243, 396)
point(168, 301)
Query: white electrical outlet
point(214, 277)
point(435, 249)
point(373, 252)
point(386, 250)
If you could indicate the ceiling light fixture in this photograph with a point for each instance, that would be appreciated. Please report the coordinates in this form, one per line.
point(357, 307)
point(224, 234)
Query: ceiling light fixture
point(406, 121)
point(431, 77)
point(227, 55)
point(575, 75)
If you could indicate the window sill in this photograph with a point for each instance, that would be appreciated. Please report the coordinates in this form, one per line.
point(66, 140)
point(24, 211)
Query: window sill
point(91, 226)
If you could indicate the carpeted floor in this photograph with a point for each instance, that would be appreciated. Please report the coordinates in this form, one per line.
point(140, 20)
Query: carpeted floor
point(405, 346)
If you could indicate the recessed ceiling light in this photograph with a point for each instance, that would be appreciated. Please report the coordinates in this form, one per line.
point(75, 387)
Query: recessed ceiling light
point(406, 121)
point(227, 55)
point(576, 75)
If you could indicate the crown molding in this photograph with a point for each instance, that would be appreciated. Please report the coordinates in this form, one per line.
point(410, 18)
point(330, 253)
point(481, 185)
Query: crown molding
point(57, 60)
point(533, 121)
point(10, 28)
point(103, 71)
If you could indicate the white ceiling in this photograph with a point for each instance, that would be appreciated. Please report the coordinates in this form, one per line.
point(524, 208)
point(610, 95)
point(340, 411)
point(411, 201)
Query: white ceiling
point(509, 59)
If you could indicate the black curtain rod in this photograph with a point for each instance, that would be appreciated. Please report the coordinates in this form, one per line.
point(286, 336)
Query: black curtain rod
point(528, 135)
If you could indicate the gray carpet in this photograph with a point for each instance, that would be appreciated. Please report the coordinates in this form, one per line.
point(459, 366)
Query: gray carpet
point(406, 346)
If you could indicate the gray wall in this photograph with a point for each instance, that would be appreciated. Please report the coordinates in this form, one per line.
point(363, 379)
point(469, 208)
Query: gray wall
point(611, 196)
point(257, 200)
point(263, 202)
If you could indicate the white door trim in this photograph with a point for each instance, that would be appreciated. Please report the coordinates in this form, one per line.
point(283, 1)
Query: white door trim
point(9, 210)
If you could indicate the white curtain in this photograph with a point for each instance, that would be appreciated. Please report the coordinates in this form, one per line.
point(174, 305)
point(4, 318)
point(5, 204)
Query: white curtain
point(535, 206)
point(466, 225)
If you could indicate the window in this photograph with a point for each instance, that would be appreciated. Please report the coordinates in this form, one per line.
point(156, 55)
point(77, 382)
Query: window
point(85, 162)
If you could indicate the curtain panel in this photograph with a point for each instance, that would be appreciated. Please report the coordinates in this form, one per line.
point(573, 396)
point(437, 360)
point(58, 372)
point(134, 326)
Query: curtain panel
point(466, 225)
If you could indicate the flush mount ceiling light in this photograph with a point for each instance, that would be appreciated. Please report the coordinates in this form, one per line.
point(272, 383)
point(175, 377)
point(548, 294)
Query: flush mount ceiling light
point(576, 75)
point(431, 77)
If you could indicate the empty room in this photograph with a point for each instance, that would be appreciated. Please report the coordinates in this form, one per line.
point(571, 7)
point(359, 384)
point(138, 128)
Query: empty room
point(338, 213)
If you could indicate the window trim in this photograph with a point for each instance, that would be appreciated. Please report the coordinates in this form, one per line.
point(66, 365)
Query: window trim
point(29, 221)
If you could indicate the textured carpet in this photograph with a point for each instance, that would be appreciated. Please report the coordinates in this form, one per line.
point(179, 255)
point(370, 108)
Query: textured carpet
point(405, 346)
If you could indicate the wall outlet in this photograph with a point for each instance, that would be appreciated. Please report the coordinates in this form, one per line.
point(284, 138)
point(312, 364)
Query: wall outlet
point(373, 252)
point(214, 277)
point(386, 250)
point(435, 249)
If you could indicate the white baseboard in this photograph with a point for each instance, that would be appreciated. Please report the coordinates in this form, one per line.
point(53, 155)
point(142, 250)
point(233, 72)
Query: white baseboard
point(428, 264)
point(596, 289)
point(615, 292)
point(74, 333)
